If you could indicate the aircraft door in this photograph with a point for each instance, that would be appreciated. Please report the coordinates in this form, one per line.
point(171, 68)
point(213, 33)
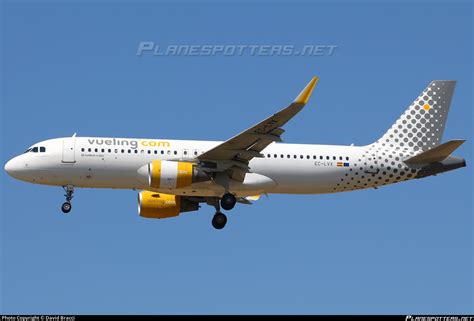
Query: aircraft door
point(69, 150)
point(370, 164)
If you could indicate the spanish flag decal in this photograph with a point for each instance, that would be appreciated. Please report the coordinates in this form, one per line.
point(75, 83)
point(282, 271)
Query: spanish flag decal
point(341, 164)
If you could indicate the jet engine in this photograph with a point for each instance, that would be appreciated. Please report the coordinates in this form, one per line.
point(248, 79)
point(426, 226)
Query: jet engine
point(158, 205)
point(170, 174)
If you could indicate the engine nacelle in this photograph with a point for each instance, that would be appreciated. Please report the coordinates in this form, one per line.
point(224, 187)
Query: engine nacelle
point(170, 174)
point(158, 205)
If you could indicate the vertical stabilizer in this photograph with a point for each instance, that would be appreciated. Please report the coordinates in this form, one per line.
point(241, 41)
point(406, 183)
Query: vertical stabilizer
point(421, 126)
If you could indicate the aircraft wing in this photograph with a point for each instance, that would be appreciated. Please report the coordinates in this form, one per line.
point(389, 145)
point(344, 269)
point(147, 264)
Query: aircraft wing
point(240, 149)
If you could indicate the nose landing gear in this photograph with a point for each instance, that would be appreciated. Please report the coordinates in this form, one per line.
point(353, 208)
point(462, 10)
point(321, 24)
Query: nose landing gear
point(66, 207)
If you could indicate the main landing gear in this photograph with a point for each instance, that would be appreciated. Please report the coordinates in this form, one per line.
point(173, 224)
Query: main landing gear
point(66, 207)
point(219, 220)
point(227, 202)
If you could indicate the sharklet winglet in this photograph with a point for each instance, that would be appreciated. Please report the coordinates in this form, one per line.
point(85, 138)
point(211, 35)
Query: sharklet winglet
point(304, 95)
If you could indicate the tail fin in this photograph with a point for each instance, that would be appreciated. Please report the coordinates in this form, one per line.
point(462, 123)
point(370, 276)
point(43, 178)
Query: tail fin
point(421, 126)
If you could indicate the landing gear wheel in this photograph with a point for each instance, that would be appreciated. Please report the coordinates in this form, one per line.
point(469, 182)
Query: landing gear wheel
point(228, 201)
point(219, 220)
point(66, 207)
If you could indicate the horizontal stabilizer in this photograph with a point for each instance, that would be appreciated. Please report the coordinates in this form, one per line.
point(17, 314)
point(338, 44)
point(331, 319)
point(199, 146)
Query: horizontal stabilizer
point(436, 154)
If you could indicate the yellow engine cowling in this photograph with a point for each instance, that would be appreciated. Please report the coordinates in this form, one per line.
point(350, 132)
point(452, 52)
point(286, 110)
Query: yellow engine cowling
point(159, 205)
point(166, 174)
point(170, 174)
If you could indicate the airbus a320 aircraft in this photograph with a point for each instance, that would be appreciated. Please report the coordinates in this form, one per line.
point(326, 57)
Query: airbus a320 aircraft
point(175, 176)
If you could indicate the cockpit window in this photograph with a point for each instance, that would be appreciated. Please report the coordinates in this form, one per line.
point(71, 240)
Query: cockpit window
point(36, 149)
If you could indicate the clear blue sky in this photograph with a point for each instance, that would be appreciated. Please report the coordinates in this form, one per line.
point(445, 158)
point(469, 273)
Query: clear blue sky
point(68, 68)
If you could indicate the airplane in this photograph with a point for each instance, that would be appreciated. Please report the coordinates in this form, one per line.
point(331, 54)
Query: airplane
point(176, 176)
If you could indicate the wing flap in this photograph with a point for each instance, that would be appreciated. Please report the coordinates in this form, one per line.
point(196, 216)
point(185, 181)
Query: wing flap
point(248, 144)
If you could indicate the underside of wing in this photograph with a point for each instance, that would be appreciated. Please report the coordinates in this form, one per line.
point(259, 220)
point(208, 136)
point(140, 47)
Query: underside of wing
point(239, 150)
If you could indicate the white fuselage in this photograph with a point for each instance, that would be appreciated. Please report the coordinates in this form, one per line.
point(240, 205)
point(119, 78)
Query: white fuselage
point(113, 163)
point(285, 168)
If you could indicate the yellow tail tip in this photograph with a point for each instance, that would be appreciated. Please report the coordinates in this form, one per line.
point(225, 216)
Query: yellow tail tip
point(304, 95)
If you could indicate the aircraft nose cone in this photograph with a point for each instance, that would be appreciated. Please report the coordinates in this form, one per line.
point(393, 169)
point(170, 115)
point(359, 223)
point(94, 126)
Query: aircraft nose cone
point(8, 166)
point(12, 167)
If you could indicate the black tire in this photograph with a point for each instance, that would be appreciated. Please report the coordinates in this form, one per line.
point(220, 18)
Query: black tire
point(219, 220)
point(66, 207)
point(228, 201)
